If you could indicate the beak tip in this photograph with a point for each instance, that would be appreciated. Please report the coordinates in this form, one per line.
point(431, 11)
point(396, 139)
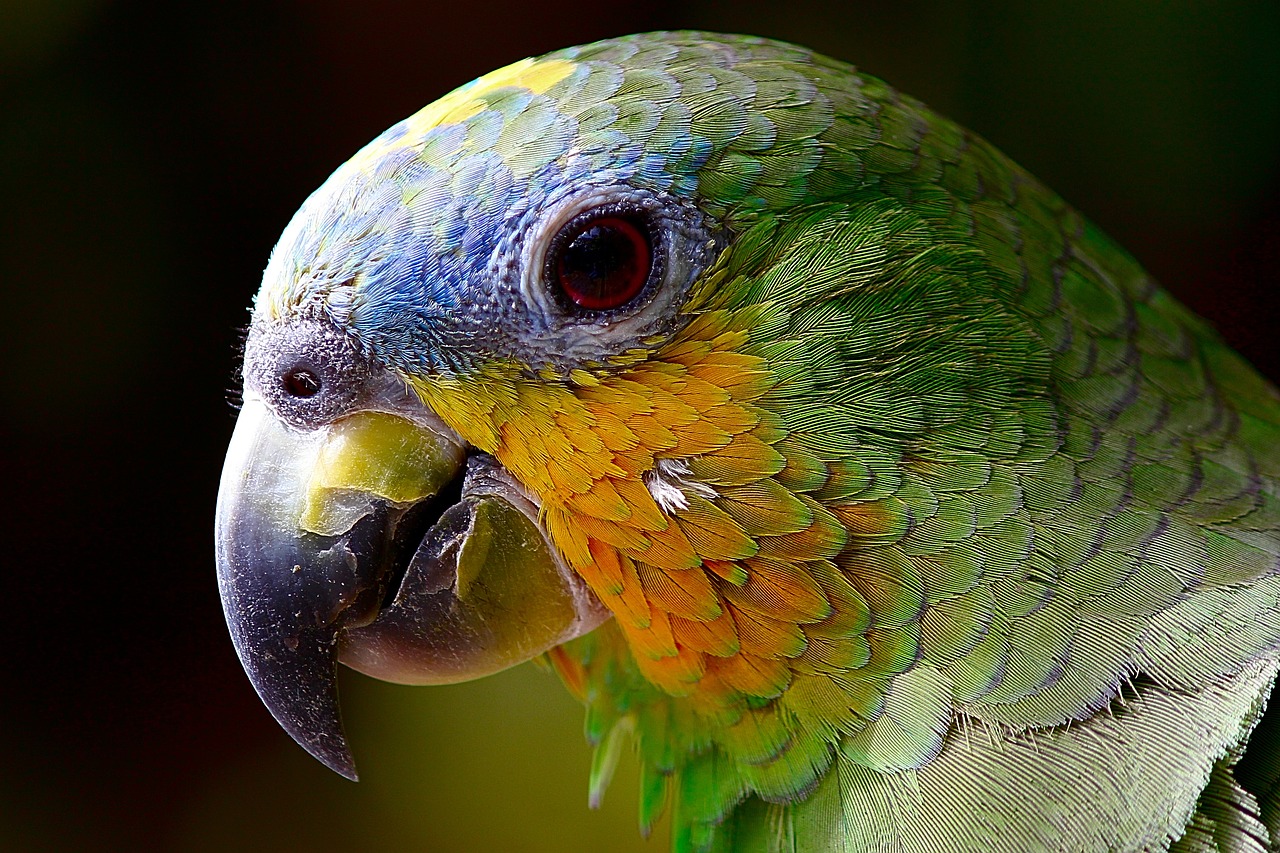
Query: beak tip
point(297, 681)
point(313, 721)
point(309, 714)
point(337, 757)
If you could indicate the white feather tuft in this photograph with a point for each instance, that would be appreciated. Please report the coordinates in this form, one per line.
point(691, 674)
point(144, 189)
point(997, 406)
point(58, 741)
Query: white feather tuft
point(669, 480)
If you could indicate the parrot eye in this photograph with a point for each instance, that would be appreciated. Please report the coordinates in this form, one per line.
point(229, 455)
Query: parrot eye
point(301, 382)
point(601, 270)
point(602, 262)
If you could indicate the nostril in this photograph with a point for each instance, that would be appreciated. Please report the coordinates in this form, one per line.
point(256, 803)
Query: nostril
point(301, 382)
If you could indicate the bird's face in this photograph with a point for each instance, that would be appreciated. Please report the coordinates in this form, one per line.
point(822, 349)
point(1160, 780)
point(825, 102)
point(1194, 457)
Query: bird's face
point(411, 376)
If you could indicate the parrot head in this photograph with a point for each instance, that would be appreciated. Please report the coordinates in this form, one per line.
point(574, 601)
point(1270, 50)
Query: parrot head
point(419, 431)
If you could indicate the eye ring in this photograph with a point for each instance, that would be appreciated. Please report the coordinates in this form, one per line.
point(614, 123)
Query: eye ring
point(603, 260)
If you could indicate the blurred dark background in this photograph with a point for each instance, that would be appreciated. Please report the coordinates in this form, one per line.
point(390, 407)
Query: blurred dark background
point(151, 152)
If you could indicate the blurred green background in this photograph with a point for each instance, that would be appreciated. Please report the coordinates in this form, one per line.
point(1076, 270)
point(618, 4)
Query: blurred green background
point(150, 153)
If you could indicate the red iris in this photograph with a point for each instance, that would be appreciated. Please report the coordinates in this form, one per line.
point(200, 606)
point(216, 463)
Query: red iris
point(604, 262)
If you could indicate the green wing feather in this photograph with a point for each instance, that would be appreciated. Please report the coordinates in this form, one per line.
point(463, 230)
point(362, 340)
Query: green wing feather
point(1121, 775)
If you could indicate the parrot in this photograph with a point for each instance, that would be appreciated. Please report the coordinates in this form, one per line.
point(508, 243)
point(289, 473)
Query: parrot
point(865, 490)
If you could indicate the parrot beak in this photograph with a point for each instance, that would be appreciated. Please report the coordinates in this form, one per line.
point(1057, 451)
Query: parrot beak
point(374, 540)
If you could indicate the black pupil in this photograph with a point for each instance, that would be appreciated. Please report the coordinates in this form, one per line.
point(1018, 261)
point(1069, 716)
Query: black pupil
point(605, 265)
point(301, 382)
